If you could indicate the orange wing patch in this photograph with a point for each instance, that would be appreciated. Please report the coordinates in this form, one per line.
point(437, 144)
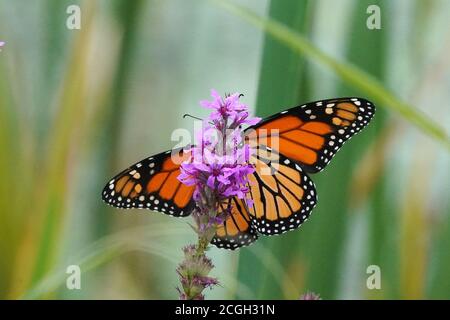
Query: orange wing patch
point(345, 115)
point(127, 188)
point(183, 195)
point(298, 140)
point(296, 151)
point(282, 124)
point(170, 186)
point(157, 181)
point(318, 128)
point(310, 140)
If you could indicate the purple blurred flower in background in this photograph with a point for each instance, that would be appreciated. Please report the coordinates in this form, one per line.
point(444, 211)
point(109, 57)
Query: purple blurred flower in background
point(2, 43)
point(219, 168)
point(310, 296)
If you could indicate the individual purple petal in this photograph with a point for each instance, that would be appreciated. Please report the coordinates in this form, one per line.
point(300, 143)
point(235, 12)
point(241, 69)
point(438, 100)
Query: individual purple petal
point(211, 182)
point(215, 95)
point(207, 104)
point(252, 121)
point(249, 202)
point(223, 179)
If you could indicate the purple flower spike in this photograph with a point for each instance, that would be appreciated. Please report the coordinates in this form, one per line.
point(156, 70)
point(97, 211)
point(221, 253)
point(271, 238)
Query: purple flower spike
point(310, 296)
point(219, 168)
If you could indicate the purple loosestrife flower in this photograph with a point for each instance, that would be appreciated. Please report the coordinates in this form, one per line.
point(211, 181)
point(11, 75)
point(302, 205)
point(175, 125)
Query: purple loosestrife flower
point(310, 296)
point(193, 272)
point(220, 161)
point(219, 168)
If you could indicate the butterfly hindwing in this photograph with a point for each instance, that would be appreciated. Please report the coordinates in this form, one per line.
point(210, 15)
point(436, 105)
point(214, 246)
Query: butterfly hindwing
point(283, 195)
point(312, 133)
point(236, 231)
point(152, 184)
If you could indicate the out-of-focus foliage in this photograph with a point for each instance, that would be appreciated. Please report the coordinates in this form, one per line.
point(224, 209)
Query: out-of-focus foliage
point(77, 106)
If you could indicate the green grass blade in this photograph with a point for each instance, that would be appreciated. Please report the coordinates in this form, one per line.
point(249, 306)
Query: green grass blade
point(281, 82)
point(367, 50)
point(346, 71)
point(146, 239)
point(106, 249)
point(280, 85)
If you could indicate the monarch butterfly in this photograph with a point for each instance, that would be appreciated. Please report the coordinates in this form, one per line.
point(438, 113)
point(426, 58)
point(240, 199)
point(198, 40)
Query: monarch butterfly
point(308, 137)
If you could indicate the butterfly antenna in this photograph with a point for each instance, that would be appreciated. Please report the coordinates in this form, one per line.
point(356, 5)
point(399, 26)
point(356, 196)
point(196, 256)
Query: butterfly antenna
point(227, 94)
point(191, 116)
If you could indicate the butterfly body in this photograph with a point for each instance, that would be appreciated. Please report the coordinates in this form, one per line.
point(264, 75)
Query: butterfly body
point(287, 146)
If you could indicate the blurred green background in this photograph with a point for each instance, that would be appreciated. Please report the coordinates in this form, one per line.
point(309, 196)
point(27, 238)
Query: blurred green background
point(77, 106)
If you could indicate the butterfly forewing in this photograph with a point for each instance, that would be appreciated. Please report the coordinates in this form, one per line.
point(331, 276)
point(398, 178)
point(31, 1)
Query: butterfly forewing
point(152, 184)
point(311, 134)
